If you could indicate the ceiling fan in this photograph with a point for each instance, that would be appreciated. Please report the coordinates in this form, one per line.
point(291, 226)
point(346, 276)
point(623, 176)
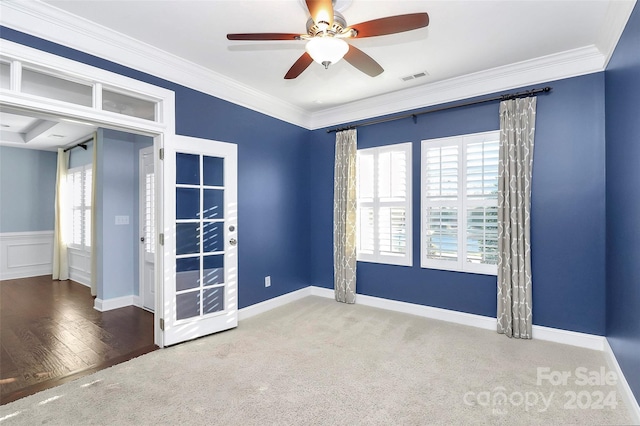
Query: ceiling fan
point(327, 31)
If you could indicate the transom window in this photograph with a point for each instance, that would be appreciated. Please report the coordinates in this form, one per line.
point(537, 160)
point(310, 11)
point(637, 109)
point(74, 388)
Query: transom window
point(384, 205)
point(42, 82)
point(459, 191)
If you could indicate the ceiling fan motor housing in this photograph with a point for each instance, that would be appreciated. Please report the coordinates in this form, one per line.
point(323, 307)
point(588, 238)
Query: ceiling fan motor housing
point(320, 28)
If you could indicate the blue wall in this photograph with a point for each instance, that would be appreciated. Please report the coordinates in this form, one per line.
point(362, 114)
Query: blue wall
point(117, 194)
point(80, 157)
point(568, 211)
point(622, 84)
point(116, 183)
point(27, 189)
point(273, 157)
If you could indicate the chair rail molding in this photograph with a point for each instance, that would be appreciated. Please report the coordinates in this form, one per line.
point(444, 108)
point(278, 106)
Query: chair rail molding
point(26, 254)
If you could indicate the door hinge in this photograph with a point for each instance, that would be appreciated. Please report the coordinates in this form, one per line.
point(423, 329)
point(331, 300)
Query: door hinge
point(162, 324)
point(161, 153)
point(161, 239)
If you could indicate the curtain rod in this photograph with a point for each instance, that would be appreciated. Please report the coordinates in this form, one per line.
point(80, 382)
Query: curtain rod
point(82, 145)
point(415, 115)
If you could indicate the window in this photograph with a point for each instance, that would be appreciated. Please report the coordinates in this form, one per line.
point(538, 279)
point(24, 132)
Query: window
point(65, 87)
point(460, 203)
point(79, 201)
point(384, 205)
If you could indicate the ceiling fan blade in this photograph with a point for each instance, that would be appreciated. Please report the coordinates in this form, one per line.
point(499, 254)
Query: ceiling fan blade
point(391, 25)
point(363, 62)
point(300, 65)
point(264, 36)
point(321, 11)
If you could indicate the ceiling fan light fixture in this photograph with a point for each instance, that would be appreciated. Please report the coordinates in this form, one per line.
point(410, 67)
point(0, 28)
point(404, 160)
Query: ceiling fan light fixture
point(326, 50)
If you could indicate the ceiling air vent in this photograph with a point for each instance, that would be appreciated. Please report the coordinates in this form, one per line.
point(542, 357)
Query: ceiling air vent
point(414, 76)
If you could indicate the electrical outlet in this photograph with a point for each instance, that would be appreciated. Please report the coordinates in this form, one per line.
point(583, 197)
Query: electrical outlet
point(267, 281)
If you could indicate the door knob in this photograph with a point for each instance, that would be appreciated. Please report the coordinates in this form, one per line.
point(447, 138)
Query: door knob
point(233, 242)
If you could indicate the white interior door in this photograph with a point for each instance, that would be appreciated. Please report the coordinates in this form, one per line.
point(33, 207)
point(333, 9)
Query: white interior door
point(147, 224)
point(200, 238)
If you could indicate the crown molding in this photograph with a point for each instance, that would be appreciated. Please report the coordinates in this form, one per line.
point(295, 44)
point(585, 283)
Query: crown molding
point(567, 64)
point(50, 23)
point(615, 21)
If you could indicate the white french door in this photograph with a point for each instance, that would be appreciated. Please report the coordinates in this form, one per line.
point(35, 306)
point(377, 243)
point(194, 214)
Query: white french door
point(200, 238)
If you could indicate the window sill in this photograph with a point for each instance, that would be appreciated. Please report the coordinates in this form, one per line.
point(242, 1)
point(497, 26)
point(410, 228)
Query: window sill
point(392, 262)
point(483, 271)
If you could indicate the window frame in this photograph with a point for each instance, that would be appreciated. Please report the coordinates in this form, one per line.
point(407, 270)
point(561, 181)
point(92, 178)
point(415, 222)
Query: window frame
point(83, 208)
point(376, 257)
point(463, 203)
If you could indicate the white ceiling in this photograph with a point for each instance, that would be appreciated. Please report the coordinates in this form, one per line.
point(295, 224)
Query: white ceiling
point(463, 37)
point(39, 131)
point(469, 48)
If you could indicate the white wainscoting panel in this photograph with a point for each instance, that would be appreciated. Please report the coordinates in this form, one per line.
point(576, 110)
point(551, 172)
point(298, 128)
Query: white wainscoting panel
point(79, 266)
point(25, 254)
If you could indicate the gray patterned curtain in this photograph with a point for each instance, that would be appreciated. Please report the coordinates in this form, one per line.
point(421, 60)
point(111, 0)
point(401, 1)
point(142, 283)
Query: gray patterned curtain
point(344, 217)
point(517, 128)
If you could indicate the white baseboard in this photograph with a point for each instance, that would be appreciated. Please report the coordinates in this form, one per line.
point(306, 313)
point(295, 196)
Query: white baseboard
point(115, 303)
point(276, 302)
point(26, 254)
point(573, 338)
point(414, 309)
point(623, 386)
point(583, 340)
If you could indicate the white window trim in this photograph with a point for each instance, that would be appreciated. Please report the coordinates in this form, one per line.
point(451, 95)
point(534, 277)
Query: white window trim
point(460, 265)
point(407, 258)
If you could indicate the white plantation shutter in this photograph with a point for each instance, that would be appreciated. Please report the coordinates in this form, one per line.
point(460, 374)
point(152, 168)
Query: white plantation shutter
point(79, 184)
point(87, 184)
point(384, 204)
point(149, 219)
point(482, 200)
point(459, 203)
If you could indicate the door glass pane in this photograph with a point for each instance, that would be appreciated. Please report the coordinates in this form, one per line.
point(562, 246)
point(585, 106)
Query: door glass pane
point(187, 203)
point(187, 169)
point(213, 237)
point(188, 305)
point(49, 86)
point(213, 171)
point(200, 232)
point(187, 273)
point(213, 270)
point(213, 300)
point(213, 204)
point(187, 238)
point(128, 105)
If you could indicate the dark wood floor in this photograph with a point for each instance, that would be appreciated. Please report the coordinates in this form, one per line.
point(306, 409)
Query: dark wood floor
point(50, 334)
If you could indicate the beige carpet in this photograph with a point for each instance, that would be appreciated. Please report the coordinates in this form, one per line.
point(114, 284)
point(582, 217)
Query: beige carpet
point(317, 361)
